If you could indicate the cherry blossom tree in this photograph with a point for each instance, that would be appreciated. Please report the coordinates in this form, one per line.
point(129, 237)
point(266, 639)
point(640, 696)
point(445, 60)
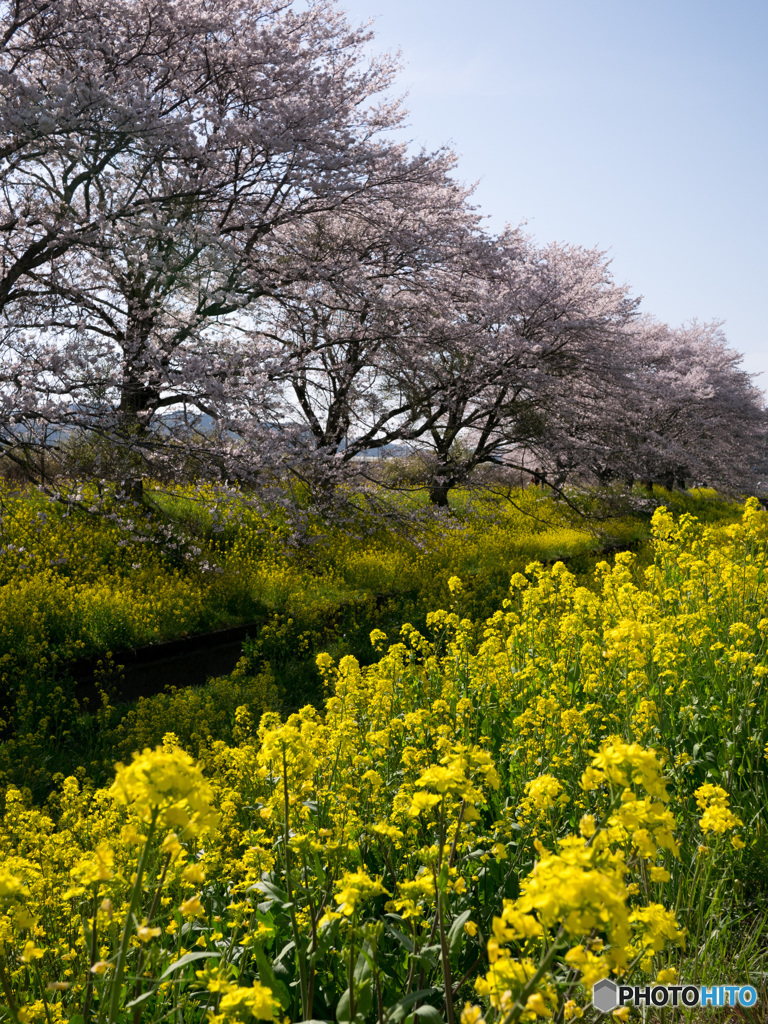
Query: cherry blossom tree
point(533, 321)
point(179, 142)
point(681, 411)
point(696, 416)
point(214, 252)
point(362, 314)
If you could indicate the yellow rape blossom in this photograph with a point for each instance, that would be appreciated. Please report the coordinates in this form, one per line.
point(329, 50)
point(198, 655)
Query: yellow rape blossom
point(192, 907)
point(95, 867)
point(542, 795)
point(717, 816)
point(11, 887)
point(243, 1003)
point(354, 888)
point(169, 784)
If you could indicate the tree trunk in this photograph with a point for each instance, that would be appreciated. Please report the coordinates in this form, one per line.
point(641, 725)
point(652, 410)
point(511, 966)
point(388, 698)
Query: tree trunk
point(136, 399)
point(133, 488)
point(130, 430)
point(438, 492)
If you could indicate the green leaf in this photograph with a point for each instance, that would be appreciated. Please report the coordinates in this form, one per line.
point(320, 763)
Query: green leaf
point(456, 931)
point(363, 966)
point(364, 997)
point(429, 1015)
point(265, 919)
point(399, 1010)
point(287, 948)
point(141, 999)
point(363, 1003)
point(428, 957)
point(319, 870)
point(274, 892)
point(327, 938)
point(267, 977)
point(405, 940)
point(342, 1007)
point(188, 958)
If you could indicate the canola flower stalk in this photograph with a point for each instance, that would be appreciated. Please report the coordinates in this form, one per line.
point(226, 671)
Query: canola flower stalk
point(529, 989)
point(129, 925)
point(306, 1011)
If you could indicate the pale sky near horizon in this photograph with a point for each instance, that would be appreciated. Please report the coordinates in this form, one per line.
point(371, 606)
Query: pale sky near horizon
point(637, 127)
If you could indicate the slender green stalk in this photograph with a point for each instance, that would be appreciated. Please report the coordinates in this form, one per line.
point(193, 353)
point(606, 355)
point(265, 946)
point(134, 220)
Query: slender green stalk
point(379, 997)
point(446, 962)
point(294, 923)
point(530, 986)
point(412, 965)
point(7, 991)
point(142, 952)
point(459, 820)
point(46, 1009)
point(94, 947)
point(117, 981)
point(351, 979)
point(313, 918)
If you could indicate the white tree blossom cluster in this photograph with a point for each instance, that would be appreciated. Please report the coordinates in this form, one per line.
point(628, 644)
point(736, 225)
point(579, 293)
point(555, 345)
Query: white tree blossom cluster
point(218, 256)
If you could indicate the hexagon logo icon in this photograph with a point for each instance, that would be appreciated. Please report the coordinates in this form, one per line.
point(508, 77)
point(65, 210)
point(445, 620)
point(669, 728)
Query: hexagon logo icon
point(605, 996)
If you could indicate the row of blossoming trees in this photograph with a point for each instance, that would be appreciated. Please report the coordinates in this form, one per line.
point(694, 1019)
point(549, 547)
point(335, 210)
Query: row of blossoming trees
point(216, 253)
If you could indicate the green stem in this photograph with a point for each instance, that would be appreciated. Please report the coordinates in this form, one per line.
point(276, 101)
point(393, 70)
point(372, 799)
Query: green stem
point(351, 978)
point(89, 977)
point(7, 990)
point(313, 918)
point(445, 956)
point(435, 920)
point(46, 1011)
point(459, 820)
point(466, 976)
point(530, 986)
point(294, 923)
point(117, 981)
point(412, 965)
point(379, 996)
point(142, 952)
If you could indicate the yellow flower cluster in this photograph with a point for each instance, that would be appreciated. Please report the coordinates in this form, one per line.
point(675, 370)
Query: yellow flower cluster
point(487, 816)
point(717, 816)
point(579, 891)
point(238, 1003)
point(542, 794)
point(165, 785)
point(85, 577)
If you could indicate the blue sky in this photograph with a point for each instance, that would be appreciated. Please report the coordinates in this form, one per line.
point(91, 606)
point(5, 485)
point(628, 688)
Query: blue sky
point(639, 127)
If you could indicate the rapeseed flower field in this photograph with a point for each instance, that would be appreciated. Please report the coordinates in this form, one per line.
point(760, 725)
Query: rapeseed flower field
point(85, 577)
point(492, 815)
